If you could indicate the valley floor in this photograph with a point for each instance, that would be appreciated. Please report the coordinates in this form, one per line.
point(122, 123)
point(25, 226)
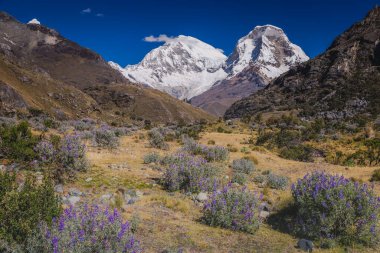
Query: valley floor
point(169, 222)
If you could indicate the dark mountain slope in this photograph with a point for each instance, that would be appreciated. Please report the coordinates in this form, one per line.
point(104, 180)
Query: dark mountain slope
point(340, 84)
point(41, 69)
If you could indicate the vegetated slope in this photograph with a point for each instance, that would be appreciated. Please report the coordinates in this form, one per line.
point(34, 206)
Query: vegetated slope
point(341, 83)
point(265, 53)
point(43, 70)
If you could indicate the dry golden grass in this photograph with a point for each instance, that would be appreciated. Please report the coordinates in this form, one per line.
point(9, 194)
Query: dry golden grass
point(170, 221)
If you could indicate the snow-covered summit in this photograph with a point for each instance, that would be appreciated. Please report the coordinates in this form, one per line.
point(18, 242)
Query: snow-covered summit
point(34, 22)
point(269, 48)
point(186, 67)
point(183, 67)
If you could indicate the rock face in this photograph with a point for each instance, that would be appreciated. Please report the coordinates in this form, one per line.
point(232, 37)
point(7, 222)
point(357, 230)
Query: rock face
point(41, 69)
point(338, 84)
point(183, 67)
point(265, 53)
point(10, 100)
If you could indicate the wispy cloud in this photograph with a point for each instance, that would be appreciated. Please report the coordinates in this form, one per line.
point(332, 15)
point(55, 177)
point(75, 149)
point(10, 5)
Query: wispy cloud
point(160, 38)
point(100, 15)
point(85, 11)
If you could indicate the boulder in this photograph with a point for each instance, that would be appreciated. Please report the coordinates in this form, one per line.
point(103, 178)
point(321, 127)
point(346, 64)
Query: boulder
point(58, 188)
point(202, 196)
point(264, 214)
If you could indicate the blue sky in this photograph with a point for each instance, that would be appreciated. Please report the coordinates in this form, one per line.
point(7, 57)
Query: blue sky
point(116, 28)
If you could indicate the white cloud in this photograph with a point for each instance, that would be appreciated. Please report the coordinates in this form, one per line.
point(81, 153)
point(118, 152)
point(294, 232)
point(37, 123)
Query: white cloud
point(100, 15)
point(88, 10)
point(161, 38)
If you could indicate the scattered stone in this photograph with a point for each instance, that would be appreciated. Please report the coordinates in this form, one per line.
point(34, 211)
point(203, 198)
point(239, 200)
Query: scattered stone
point(305, 245)
point(72, 200)
point(88, 179)
point(264, 214)
point(58, 188)
point(202, 196)
point(75, 192)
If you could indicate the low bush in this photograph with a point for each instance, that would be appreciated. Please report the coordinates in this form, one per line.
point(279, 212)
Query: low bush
point(333, 207)
point(105, 137)
point(235, 209)
point(89, 228)
point(211, 142)
point(83, 124)
point(259, 179)
point(72, 154)
point(252, 158)
point(277, 182)
point(243, 166)
point(151, 158)
point(17, 142)
point(211, 154)
point(297, 153)
point(22, 208)
point(189, 174)
point(157, 139)
point(375, 176)
point(239, 178)
point(46, 152)
point(232, 149)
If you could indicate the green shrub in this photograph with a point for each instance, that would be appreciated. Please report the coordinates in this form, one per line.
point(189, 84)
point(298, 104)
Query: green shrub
point(105, 137)
point(157, 139)
point(297, 153)
point(211, 154)
point(17, 142)
point(211, 142)
point(375, 176)
point(333, 207)
point(232, 148)
point(243, 166)
point(259, 179)
point(151, 158)
point(277, 182)
point(240, 178)
point(21, 209)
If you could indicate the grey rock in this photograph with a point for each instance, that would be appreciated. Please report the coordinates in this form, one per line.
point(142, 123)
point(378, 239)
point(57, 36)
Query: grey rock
point(202, 196)
point(264, 214)
point(58, 188)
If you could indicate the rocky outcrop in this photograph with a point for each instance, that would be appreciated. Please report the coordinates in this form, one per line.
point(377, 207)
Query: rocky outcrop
point(341, 83)
point(10, 100)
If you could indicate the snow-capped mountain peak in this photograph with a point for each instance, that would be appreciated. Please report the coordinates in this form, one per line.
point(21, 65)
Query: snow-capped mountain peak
point(268, 47)
point(34, 21)
point(183, 67)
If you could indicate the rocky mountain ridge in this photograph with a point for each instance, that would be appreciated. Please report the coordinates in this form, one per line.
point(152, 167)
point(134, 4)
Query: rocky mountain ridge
point(342, 83)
